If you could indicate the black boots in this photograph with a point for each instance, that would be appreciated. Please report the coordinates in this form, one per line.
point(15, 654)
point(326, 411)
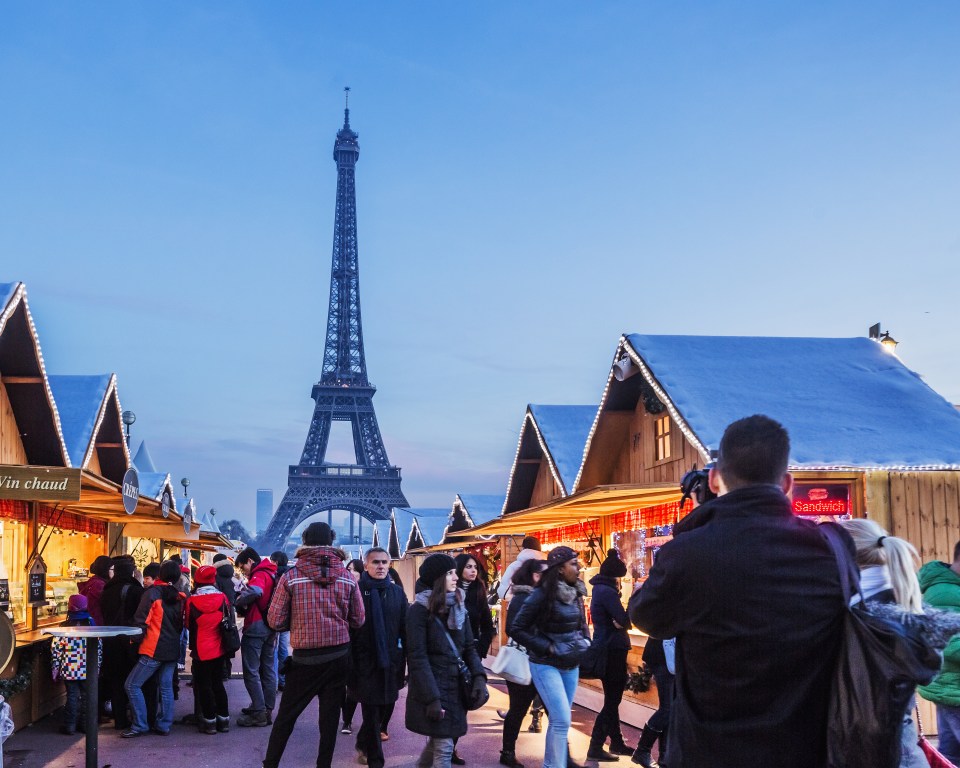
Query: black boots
point(618, 746)
point(642, 756)
point(509, 757)
point(535, 722)
point(601, 755)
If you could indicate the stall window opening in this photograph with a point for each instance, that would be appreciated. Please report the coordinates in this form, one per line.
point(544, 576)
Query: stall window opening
point(662, 445)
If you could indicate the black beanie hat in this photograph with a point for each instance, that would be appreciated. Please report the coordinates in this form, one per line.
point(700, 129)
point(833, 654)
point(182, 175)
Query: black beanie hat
point(318, 535)
point(613, 566)
point(170, 571)
point(434, 567)
point(123, 567)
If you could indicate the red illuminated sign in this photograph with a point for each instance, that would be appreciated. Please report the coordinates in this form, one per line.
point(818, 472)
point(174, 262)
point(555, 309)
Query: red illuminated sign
point(821, 499)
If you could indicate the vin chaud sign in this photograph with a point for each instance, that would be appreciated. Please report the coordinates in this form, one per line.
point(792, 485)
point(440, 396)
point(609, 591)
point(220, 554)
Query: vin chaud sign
point(25, 483)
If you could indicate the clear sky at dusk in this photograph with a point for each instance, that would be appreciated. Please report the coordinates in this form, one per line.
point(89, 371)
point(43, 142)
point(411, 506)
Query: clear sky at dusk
point(534, 179)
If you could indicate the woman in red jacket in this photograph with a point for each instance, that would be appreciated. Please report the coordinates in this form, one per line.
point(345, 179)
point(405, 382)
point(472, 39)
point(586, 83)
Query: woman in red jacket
point(204, 612)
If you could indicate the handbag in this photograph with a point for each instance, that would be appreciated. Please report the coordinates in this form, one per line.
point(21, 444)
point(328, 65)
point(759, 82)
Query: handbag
point(933, 755)
point(879, 664)
point(229, 632)
point(513, 664)
point(593, 662)
point(464, 675)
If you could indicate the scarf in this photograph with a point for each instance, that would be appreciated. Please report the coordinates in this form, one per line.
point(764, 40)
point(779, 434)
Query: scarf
point(456, 611)
point(375, 588)
point(873, 579)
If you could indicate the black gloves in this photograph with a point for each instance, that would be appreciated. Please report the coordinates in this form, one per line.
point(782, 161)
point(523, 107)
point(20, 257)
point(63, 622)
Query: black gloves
point(435, 711)
point(478, 692)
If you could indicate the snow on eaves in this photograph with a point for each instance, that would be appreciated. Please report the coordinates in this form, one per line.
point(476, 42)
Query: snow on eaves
point(80, 402)
point(564, 429)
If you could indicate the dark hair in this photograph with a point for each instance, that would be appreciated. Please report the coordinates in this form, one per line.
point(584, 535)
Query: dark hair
point(123, 567)
point(437, 604)
point(548, 583)
point(476, 591)
point(395, 577)
point(248, 554)
point(375, 549)
point(176, 558)
point(170, 573)
point(151, 570)
point(357, 565)
point(101, 566)
point(218, 557)
point(523, 576)
point(753, 451)
point(531, 542)
point(280, 558)
point(956, 551)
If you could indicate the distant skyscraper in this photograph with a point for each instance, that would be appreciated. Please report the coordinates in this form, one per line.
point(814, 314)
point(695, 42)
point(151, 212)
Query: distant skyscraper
point(264, 508)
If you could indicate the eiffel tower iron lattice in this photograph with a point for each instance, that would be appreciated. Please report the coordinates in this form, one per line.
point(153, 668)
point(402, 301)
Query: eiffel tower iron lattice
point(371, 486)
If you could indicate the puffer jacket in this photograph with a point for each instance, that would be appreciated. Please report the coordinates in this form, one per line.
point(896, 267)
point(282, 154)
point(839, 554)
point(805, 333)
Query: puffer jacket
point(204, 613)
point(254, 600)
point(160, 616)
point(317, 601)
point(519, 594)
point(433, 671)
point(537, 625)
point(941, 589)
point(605, 609)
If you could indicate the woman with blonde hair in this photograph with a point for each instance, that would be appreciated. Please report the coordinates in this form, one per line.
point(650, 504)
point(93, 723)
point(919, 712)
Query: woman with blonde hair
point(887, 577)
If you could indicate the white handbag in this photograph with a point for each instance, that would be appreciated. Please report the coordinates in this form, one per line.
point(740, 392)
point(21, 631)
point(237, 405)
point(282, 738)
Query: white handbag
point(512, 664)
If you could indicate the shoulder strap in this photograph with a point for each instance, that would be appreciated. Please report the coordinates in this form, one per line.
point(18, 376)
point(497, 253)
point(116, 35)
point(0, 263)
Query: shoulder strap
point(453, 645)
point(849, 573)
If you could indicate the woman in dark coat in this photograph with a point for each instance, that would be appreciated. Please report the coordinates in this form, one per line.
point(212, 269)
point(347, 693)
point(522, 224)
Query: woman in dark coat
point(610, 624)
point(436, 618)
point(552, 626)
point(525, 578)
point(118, 604)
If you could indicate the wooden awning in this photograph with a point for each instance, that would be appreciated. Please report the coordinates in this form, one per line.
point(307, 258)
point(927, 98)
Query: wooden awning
point(101, 499)
point(599, 501)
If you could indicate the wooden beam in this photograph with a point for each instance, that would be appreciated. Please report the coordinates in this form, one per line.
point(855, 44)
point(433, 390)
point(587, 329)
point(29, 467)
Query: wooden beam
point(21, 380)
point(109, 445)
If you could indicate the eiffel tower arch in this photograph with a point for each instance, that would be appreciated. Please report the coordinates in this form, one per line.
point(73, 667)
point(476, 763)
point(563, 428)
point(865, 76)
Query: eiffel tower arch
point(370, 487)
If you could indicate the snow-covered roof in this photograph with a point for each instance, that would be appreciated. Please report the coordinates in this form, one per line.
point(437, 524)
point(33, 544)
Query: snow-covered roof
point(564, 429)
point(6, 293)
point(81, 402)
point(143, 460)
point(404, 518)
point(847, 403)
point(479, 508)
point(381, 534)
point(431, 530)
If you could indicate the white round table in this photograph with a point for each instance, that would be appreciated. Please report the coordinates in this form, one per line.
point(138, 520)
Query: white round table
point(92, 636)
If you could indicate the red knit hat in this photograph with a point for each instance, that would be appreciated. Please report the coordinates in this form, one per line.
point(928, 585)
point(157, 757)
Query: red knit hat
point(206, 574)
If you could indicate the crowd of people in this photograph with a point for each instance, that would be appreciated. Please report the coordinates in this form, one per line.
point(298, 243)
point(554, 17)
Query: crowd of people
point(744, 610)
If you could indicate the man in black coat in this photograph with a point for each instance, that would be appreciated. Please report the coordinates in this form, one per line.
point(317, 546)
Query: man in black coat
point(378, 649)
point(752, 595)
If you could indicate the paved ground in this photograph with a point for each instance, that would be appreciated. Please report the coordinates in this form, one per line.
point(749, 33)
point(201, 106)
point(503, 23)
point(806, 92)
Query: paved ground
point(40, 746)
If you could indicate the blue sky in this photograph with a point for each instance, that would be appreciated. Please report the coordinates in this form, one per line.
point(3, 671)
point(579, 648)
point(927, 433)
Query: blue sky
point(534, 179)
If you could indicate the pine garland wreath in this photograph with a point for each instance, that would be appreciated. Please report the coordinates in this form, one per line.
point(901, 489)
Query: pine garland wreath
point(11, 686)
point(638, 682)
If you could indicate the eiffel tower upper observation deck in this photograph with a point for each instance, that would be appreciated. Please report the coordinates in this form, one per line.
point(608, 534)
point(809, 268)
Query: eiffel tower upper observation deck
point(371, 486)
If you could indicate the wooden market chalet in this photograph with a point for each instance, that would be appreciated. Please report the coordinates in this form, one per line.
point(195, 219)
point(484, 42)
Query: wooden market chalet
point(64, 460)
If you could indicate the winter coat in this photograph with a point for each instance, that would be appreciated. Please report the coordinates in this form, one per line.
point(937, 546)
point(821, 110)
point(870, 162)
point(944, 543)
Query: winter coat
point(606, 608)
point(254, 600)
point(92, 589)
point(317, 601)
point(204, 612)
point(160, 616)
point(941, 589)
point(481, 620)
point(752, 594)
point(507, 578)
point(434, 673)
point(368, 683)
point(119, 603)
point(537, 626)
point(68, 655)
point(224, 582)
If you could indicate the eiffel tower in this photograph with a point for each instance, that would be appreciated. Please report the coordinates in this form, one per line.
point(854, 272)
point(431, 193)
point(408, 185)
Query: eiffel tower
point(369, 488)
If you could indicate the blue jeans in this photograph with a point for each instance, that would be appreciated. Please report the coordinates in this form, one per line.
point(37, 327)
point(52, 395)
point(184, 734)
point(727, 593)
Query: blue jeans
point(283, 650)
point(258, 654)
point(76, 701)
point(437, 753)
point(948, 732)
point(556, 687)
point(142, 671)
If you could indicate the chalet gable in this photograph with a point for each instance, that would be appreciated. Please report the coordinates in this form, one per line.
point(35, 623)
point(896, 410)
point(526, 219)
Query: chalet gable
point(29, 418)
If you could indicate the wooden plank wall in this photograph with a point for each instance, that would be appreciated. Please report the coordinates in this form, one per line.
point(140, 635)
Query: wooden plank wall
point(925, 510)
point(11, 447)
point(545, 487)
point(636, 462)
